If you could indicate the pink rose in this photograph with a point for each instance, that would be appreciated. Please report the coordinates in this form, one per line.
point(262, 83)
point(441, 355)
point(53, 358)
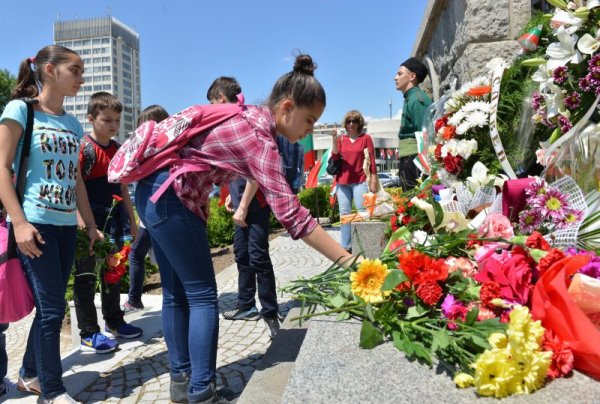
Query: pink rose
point(463, 264)
point(496, 225)
point(513, 275)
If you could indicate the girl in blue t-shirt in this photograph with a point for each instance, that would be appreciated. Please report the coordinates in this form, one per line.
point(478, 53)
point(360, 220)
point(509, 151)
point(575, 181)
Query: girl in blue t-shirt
point(45, 225)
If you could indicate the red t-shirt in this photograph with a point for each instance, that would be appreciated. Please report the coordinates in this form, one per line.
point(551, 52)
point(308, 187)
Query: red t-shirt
point(93, 160)
point(352, 153)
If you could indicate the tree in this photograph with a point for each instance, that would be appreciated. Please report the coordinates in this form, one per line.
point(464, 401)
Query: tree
point(7, 83)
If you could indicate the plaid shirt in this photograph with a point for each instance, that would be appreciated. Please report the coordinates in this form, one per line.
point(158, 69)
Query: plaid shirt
point(244, 145)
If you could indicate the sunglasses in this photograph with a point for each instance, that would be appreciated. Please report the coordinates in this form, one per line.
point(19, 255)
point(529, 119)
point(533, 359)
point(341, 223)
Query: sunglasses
point(351, 121)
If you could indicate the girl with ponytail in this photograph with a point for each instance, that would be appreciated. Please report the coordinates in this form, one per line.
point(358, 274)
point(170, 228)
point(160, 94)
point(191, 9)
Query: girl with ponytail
point(244, 145)
point(45, 223)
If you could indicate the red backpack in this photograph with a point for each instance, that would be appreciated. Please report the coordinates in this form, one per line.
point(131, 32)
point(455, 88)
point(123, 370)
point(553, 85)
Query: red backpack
point(153, 146)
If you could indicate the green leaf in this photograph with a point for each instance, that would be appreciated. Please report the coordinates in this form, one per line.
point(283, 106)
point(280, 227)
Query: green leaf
point(345, 290)
point(393, 279)
point(344, 315)
point(421, 353)
point(369, 312)
point(440, 341)
point(401, 233)
point(480, 342)
point(370, 336)
point(472, 316)
point(337, 301)
point(438, 213)
point(414, 312)
point(402, 344)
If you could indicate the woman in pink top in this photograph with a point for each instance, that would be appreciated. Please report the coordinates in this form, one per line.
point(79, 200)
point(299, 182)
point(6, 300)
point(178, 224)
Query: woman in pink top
point(352, 180)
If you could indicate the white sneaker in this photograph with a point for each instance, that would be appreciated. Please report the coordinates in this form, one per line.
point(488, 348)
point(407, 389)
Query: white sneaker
point(62, 399)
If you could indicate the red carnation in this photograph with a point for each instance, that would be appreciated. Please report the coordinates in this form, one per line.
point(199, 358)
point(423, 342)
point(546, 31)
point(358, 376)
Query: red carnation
point(489, 291)
point(440, 123)
point(429, 292)
point(117, 198)
point(536, 240)
point(553, 255)
point(438, 153)
point(562, 356)
point(394, 222)
point(453, 164)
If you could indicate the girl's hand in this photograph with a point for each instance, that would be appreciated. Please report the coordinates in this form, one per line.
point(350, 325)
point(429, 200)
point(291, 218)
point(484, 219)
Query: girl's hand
point(94, 235)
point(373, 183)
point(229, 204)
point(239, 217)
point(28, 237)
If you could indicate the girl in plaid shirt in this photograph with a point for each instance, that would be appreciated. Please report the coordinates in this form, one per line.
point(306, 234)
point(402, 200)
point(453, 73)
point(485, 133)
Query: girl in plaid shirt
point(244, 145)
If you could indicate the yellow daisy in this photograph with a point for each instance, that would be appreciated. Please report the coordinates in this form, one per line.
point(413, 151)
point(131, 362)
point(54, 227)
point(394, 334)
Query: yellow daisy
point(368, 279)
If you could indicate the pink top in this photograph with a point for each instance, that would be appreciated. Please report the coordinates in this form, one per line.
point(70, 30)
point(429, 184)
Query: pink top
point(245, 146)
point(353, 155)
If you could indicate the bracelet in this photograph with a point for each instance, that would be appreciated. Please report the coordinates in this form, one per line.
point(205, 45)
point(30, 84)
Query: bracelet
point(90, 226)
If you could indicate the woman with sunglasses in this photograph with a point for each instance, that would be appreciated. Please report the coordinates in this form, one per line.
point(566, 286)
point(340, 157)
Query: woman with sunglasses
point(351, 179)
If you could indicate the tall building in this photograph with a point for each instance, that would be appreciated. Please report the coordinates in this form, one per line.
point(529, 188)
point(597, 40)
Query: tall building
point(111, 56)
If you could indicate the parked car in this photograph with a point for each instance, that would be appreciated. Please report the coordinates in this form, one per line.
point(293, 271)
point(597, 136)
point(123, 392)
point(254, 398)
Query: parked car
point(394, 183)
point(384, 178)
point(325, 179)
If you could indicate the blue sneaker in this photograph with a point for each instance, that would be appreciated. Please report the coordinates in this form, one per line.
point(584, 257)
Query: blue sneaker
point(125, 331)
point(98, 343)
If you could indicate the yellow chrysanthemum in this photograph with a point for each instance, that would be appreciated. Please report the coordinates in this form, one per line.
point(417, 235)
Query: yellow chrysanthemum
point(498, 340)
point(463, 380)
point(368, 279)
point(493, 373)
point(524, 334)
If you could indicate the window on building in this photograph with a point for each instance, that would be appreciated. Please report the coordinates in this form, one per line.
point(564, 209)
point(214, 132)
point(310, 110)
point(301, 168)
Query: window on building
point(127, 75)
point(97, 60)
point(106, 87)
point(105, 40)
point(87, 88)
point(115, 88)
point(127, 100)
point(127, 92)
point(96, 41)
point(86, 42)
point(114, 42)
point(106, 77)
point(106, 68)
point(96, 51)
point(97, 87)
point(105, 60)
point(126, 66)
point(97, 69)
point(77, 43)
point(128, 127)
point(84, 52)
point(126, 57)
point(87, 61)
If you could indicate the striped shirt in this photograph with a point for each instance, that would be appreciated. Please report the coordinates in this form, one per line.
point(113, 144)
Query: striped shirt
point(244, 145)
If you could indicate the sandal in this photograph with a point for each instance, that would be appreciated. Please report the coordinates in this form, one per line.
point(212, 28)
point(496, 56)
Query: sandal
point(29, 385)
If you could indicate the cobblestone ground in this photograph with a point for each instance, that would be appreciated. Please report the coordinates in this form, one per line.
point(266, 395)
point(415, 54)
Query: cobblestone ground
point(143, 376)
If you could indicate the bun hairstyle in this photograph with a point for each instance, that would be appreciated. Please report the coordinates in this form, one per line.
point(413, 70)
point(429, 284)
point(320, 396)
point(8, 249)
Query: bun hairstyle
point(29, 81)
point(299, 85)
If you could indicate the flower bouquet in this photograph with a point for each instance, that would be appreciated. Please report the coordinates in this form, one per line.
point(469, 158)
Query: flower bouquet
point(471, 301)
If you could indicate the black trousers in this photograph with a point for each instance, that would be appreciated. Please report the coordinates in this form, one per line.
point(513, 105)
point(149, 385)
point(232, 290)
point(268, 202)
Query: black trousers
point(251, 248)
point(408, 172)
point(84, 290)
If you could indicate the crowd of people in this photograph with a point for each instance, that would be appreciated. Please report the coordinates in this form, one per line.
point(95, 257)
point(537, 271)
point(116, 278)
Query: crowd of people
point(67, 187)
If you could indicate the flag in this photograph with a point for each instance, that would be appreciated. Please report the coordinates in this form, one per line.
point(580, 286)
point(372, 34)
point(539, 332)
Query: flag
point(390, 153)
point(309, 152)
point(397, 152)
point(382, 154)
point(333, 193)
point(318, 170)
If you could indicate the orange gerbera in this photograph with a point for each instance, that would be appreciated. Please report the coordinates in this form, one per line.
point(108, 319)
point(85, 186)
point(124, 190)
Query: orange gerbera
point(367, 281)
point(479, 91)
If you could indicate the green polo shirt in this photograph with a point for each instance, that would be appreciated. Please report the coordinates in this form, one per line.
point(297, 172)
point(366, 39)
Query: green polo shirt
point(415, 104)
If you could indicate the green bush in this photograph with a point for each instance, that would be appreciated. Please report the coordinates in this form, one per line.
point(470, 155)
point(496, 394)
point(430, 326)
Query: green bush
point(220, 225)
point(317, 201)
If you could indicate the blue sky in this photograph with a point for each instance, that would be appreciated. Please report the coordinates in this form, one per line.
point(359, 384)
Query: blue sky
point(185, 45)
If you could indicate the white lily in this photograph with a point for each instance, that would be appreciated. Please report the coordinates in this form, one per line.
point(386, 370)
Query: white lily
point(563, 52)
point(566, 19)
point(588, 44)
point(554, 100)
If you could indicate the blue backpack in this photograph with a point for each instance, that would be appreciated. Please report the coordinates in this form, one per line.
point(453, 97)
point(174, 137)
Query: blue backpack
point(292, 160)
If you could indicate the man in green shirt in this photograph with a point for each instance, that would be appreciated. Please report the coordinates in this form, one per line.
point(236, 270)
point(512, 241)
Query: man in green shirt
point(410, 74)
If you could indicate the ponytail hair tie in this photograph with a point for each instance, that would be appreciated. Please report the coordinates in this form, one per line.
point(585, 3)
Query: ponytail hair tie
point(31, 60)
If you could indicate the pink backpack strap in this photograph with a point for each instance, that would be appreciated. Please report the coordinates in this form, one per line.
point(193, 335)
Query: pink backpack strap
point(186, 168)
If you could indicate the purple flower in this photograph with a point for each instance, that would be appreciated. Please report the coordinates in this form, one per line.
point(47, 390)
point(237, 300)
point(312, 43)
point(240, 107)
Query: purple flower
point(585, 85)
point(536, 100)
point(594, 61)
point(447, 304)
point(529, 221)
point(573, 101)
point(560, 74)
point(571, 216)
point(593, 77)
point(535, 189)
point(553, 204)
point(565, 124)
point(592, 268)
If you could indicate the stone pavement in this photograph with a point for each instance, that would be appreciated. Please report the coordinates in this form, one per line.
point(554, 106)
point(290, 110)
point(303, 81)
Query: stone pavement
point(138, 371)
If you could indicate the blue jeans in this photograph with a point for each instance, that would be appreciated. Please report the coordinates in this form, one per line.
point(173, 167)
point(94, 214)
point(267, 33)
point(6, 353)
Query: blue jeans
point(190, 315)
point(137, 258)
point(251, 247)
point(345, 194)
point(48, 276)
point(3, 357)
